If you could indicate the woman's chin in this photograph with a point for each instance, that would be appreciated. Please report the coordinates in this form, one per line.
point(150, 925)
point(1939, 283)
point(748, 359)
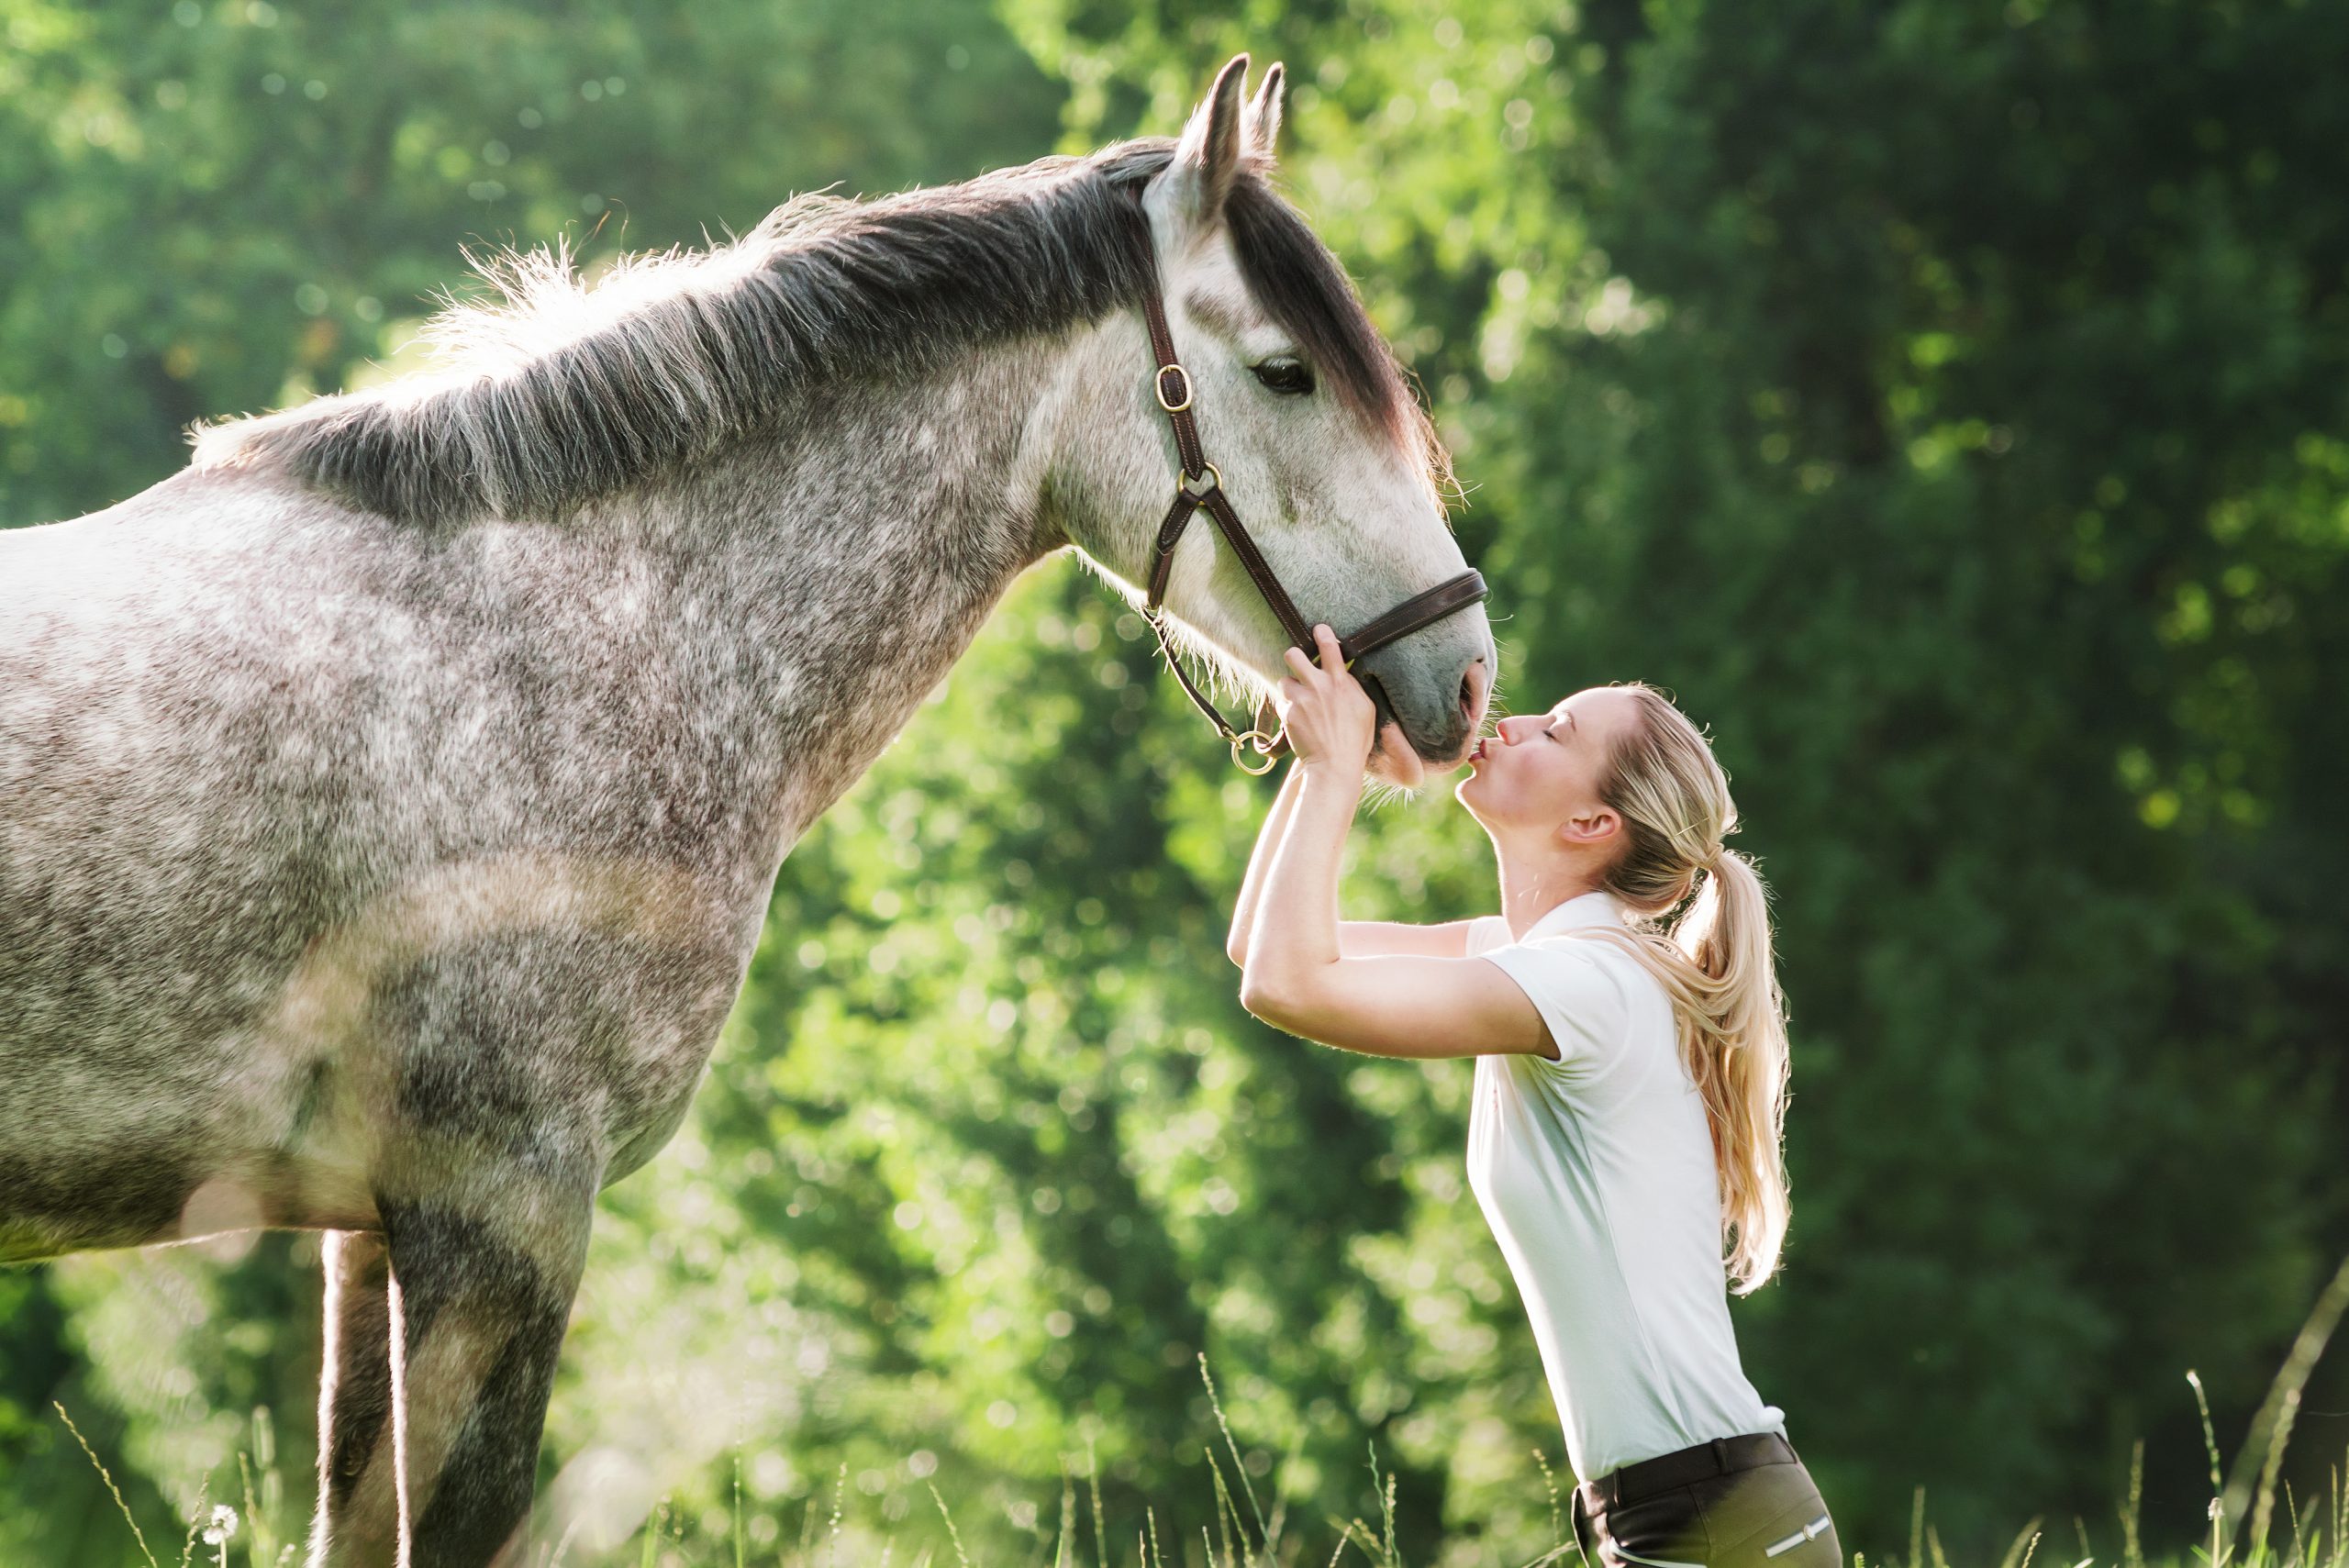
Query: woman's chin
point(1469, 787)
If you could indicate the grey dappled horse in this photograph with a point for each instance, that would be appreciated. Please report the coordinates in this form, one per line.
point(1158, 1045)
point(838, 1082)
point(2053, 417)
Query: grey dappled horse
point(389, 801)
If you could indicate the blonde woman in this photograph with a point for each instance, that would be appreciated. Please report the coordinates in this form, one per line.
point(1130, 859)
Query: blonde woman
point(1630, 1081)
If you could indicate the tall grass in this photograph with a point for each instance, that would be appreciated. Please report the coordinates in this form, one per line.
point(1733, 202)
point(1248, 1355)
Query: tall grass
point(1242, 1534)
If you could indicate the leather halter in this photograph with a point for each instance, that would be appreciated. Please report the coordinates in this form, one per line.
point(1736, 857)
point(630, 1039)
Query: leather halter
point(1202, 485)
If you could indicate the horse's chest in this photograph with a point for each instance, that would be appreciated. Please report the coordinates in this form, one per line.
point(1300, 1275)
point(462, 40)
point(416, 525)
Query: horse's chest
point(589, 1029)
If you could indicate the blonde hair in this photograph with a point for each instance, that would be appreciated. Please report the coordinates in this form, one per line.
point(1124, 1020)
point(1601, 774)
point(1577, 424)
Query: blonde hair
point(1714, 961)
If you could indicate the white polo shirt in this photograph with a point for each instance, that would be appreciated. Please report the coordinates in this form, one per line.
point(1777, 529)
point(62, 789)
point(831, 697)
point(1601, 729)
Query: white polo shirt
point(1597, 1175)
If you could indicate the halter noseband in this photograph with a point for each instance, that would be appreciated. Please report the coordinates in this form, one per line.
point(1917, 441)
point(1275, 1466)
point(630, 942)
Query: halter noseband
point(1202, 485)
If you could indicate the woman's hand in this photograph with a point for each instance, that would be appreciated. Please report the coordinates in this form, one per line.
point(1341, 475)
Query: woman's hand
point(1329, 719)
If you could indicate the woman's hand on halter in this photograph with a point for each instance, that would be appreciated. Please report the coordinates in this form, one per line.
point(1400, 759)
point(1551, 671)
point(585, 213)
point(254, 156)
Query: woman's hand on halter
point(1330, 721)
point(1295, 973)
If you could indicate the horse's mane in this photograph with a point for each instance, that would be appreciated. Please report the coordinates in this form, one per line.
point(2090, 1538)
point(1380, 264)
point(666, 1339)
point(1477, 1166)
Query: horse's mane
point(553, 393)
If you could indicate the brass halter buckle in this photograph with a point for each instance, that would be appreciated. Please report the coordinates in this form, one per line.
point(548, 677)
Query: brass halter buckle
point(1158, 384)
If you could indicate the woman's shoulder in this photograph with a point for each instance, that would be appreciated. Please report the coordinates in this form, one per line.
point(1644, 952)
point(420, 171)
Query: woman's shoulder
point(1486, 932)
point(1592, 946)
point(1585, 959)
point(1582, 996)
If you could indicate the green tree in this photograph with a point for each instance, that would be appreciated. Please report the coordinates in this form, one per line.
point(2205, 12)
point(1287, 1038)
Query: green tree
point(218, 205)
point(1946, 403)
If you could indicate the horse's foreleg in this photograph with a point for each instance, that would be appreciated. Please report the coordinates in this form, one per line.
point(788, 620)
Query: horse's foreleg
point(479, 1294)
point(479, 1306)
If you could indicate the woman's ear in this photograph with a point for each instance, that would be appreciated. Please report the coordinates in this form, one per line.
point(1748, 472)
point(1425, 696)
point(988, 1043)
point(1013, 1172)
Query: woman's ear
point(1592, 829)
point(1186, 201)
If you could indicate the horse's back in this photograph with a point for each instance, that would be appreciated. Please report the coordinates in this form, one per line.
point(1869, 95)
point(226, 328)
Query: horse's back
point(146, 714)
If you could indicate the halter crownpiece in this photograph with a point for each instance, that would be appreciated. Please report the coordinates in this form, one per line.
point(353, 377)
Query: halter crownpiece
point(1200, 485)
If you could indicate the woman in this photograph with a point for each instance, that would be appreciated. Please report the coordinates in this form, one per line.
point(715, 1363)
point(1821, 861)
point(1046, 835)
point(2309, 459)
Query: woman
point(1630, 1081)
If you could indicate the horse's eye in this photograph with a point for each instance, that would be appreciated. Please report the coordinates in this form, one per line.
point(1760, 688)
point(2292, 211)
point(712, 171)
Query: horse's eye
point(1289, 376)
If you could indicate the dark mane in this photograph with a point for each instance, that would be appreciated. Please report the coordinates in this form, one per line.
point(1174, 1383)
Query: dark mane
point(556, 394)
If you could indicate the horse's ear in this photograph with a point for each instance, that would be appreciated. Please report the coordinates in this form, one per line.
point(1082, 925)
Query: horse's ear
point(1206, 158)
point(1263, 119)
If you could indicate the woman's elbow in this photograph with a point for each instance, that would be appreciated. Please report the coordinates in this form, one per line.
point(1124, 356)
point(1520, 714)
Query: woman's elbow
point(1263, 999)
point(1256, 998)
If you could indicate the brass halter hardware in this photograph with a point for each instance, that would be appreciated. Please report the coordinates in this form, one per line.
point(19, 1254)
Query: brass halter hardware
point(1255, 740)
point(1200, 485)
point(1158, 384)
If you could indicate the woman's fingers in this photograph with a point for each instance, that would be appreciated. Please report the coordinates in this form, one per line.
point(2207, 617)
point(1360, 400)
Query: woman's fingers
point(1327, 641)
point(1315, 696)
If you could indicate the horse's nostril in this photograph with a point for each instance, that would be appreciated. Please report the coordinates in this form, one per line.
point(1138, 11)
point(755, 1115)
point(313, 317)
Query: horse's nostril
point(1475, 687)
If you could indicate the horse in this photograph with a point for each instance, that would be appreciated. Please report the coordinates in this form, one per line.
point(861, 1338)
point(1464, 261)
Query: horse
point(390, 799)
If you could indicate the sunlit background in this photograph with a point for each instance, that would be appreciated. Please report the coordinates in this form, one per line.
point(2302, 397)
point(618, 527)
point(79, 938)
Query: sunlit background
point(1945, 400)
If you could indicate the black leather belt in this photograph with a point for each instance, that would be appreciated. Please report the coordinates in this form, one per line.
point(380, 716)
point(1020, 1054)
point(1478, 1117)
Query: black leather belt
point(1722, 1456)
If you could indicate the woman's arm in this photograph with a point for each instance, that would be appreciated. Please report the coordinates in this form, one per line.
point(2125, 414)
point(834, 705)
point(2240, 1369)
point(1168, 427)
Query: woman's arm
point(1296, 974)
point(1268, 840)
point(1393, 938)
point(1356, 939)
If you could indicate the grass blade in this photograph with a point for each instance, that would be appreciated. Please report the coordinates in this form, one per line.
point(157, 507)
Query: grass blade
point(2133, 1545)
point(1093, 1479)
point(137, 1534)
point(2018, 1551)
point(1239, 1465)
point(652, 1529)
point(952, 1533)
point(2272, 1426)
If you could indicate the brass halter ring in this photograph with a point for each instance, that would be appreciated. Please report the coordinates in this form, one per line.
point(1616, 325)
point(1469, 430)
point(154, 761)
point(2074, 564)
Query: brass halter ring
point(1209, 477)
point(1261, 743)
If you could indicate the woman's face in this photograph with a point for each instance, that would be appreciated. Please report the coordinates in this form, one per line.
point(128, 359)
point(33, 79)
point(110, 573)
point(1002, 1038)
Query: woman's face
point(1543, 769)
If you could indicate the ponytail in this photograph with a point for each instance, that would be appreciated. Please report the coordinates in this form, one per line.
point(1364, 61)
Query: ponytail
point(1714, 961)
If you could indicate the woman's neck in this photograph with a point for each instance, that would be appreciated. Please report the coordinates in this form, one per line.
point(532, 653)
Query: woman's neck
point(1531, 888)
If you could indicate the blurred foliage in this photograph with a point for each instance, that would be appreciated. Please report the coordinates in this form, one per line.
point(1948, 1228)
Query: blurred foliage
point(1945, 401)
point(215, 204)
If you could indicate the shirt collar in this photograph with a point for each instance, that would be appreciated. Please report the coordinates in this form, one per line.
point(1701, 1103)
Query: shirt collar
point(1598, 907)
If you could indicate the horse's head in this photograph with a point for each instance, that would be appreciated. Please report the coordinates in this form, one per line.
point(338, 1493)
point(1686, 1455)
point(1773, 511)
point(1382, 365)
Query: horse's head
point(1321, 449)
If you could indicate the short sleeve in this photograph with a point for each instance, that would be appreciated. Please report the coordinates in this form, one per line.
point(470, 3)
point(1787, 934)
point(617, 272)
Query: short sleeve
point(1486, 932)
point(1578, 994)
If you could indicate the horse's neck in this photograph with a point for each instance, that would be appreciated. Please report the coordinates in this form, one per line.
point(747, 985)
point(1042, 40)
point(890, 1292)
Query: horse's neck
point(836, 568)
